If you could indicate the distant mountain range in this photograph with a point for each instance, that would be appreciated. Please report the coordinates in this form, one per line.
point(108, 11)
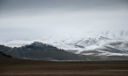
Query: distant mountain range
point(40, 51)
point(101, 47)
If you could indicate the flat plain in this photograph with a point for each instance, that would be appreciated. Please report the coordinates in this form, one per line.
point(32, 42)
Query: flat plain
point(18, 67)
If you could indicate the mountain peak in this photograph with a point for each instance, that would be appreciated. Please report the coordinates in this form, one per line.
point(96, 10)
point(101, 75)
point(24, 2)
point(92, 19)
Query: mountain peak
point(37, 44)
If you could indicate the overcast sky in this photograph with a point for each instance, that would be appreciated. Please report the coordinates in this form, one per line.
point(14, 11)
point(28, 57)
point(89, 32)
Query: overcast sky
point(38, 19)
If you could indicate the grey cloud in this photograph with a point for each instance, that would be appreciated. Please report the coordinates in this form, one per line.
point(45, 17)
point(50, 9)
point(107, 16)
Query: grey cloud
point(60, 18)
point(31, 6)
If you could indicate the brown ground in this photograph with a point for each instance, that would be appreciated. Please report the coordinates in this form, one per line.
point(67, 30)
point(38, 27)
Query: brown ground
point(16, 67)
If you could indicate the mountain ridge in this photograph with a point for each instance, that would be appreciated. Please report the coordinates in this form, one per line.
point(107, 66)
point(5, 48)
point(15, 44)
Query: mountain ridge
point(42, 51)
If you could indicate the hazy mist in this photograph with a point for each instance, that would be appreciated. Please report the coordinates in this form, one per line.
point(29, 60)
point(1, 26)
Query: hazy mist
point(39, 19)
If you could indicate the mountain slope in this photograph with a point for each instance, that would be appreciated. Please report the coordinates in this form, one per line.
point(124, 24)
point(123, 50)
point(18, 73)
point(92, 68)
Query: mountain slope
point(40, 51)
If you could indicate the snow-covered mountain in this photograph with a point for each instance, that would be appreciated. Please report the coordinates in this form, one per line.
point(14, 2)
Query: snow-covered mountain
point(40, 51)
point(103, 44)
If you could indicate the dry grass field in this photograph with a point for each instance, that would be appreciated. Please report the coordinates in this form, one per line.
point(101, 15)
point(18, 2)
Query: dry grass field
point(17, 67)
